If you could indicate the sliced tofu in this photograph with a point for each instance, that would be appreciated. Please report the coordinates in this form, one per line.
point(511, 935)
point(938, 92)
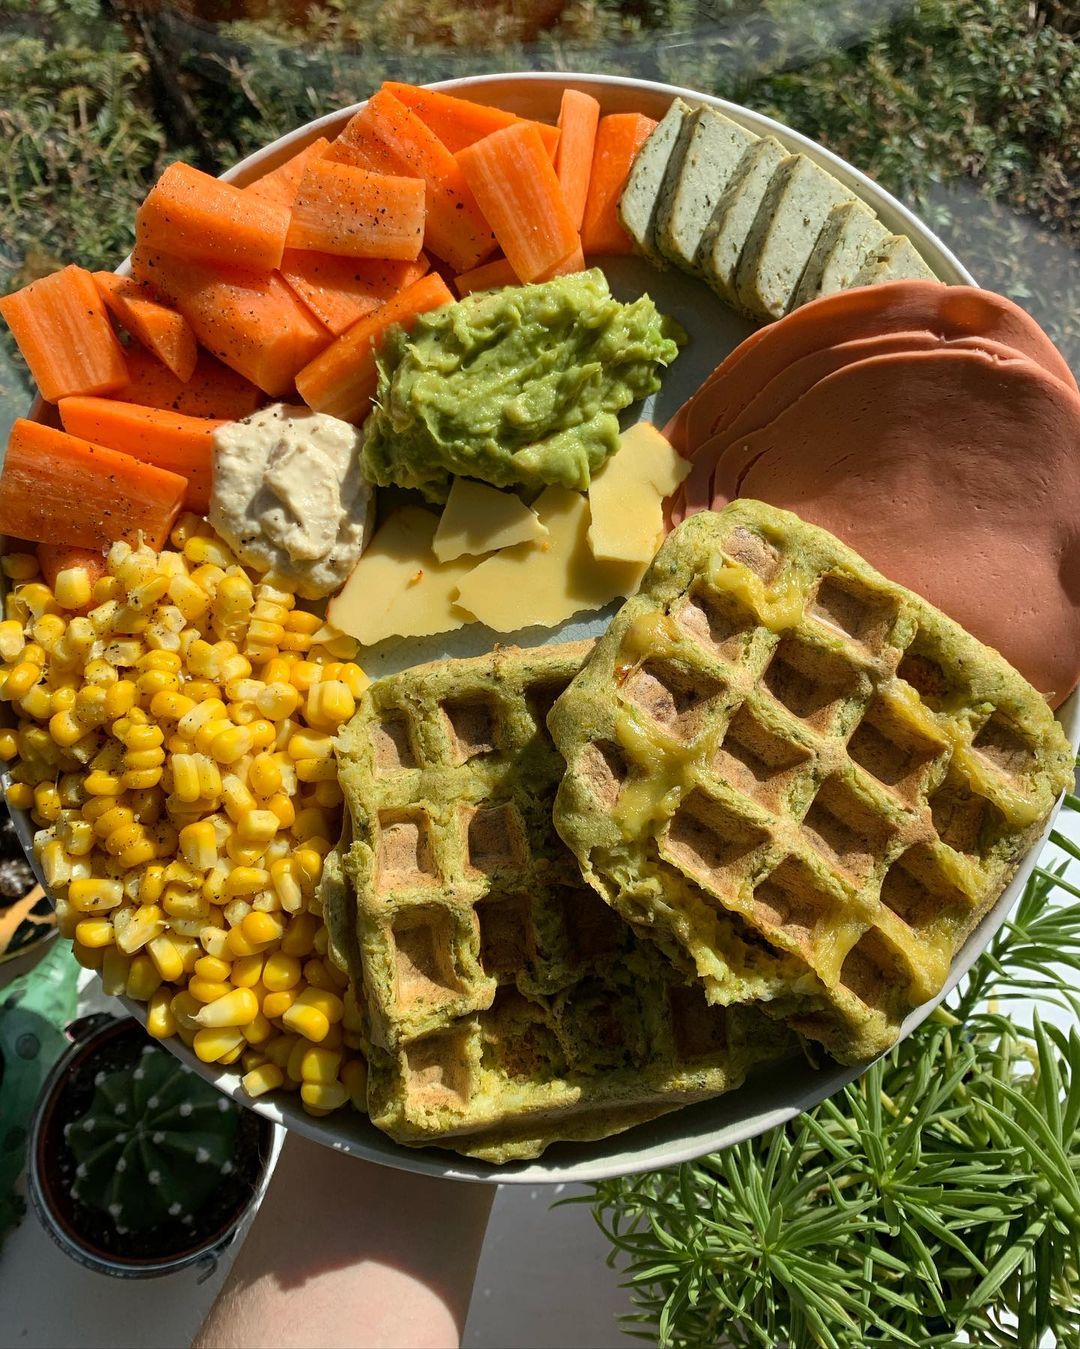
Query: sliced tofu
point(789, 220)
point(640, 200)
point(852, 233)
point(725, 235)
point(695, 180)
point(896, 260)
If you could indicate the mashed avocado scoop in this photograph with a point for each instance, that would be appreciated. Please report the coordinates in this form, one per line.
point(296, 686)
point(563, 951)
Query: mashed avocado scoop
point(517, 387)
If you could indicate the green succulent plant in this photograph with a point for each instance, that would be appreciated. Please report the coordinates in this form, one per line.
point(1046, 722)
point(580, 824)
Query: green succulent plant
point(153, 1144)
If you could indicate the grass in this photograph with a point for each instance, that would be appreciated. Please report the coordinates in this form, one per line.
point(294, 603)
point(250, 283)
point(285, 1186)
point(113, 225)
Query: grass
point(969, 110)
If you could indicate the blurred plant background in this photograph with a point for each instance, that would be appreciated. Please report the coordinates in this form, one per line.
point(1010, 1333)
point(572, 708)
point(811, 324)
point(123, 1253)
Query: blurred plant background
point(969, 110)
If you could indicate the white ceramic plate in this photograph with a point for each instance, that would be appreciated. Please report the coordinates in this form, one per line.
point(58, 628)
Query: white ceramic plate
point(776, 1094)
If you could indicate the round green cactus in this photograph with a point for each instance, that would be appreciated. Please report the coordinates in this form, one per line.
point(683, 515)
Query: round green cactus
point(153, 1145)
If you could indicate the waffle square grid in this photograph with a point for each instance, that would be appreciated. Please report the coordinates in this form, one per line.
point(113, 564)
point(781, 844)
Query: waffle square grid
point(802, 781)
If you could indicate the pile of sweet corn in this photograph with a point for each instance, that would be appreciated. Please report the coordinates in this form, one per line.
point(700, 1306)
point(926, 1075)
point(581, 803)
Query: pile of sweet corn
point(173, 742)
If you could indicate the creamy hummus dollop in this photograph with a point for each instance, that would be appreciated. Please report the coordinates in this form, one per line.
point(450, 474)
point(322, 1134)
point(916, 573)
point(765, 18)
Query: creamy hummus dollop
point(289, 497)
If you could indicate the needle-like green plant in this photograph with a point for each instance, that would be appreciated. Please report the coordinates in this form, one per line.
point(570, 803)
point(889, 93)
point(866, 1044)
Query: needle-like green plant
point(935, 1200)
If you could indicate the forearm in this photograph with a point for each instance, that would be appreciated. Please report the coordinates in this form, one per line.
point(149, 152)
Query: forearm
point(347, 1253)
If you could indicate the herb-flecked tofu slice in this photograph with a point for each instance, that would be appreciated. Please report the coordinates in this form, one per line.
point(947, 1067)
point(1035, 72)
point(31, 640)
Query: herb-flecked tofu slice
point(789, 220)
point(640, 200)
point(852, 233)
point(714, 147)
point(896, 260)
point(725, 235)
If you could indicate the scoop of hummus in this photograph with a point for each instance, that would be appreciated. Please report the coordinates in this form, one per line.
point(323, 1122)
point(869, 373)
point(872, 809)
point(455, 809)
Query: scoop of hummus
point(289, 497)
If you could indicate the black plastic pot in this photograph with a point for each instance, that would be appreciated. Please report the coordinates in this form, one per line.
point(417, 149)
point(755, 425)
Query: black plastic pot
point(105, 1044)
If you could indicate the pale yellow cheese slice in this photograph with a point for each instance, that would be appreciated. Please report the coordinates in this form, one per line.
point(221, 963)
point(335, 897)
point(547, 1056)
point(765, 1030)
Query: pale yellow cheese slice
point(479, 519)
point(544, 583)
point(399, 588)
point(626, 497)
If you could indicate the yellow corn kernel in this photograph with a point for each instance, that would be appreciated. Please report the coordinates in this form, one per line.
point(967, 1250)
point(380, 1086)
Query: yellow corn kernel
point(258, 1030)
point(184, 904)
point(311, 745)
point(12, 640)
point(137, 929)
point(212, 1044)
point(276, 1004)
point(246, 881)
point(354, 1078)
point(264, 775)
point(316, 975)
point(320, 1065)
point(89, 957)
point(36, 703)
point(213, 968)
point(260, 1080)
point(114, 971)
point(300, 935)
point(328, 794)
point(236, 797)
point(231, 744)
point(320, 1098)
point(143, 980)
point(286, 885)
point(279, 1049)
point(165, 954)
point(185, 1008)
point(296, 1058)
point(19, 566)
point(198, 843)
point(72, 588)
point(309, 864)
point(256, 828)
point(120, 698)
point(261, 928)
point(280, 972)
point(89, 705)
point(21, 679)
point(278, 700)
point(55, 864)
point(160, 1018)
point(185, 777)
point(207, 990)
point(236, 1007)
point(19, 795)
point(263, 735)
point(306, 1020)
point(316, 770)
point(247, 971)
point(95, 896)
point(95, 932)
point(47, 803)
point(214, 941)
point(100, 783)
point(140, 779)
point(330, 703)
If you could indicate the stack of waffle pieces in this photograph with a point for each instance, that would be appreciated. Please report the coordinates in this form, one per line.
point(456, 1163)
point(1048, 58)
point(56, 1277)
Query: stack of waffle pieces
point(773, 802)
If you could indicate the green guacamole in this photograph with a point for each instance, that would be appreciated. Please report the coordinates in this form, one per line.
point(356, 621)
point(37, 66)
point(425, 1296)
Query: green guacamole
point(517, 387)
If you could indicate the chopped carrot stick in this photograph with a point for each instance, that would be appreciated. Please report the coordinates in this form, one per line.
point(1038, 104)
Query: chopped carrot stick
point(342, 379)
point(255, 324)
point(357, 144)
point(340, 291)
point(280, 185)
point(64, 334)
point(579, 115)
point(389, 137)
point(160, 329)
point(514, 182)
point(618, 139)
point(358, 214)
point(491, 276)
point(212, 391)
point(171, 440)
point(458, 122)
point(56, 488)
point(192, 215)
point(53, 558)
point(574, 262)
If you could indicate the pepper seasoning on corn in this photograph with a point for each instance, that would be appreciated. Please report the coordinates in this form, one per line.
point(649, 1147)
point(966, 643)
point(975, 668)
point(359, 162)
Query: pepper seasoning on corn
point(174, 745)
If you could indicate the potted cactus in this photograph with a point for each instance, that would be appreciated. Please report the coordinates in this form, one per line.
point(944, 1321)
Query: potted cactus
point(136, 1165)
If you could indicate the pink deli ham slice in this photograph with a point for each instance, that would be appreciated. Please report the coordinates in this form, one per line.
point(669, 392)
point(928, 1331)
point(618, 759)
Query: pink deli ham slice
point(955, 473)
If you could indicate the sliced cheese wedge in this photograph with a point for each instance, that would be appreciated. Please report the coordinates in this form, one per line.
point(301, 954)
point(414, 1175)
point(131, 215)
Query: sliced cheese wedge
point(399, 588)
point(541, 584)
point(626, 498)
point(479, 519)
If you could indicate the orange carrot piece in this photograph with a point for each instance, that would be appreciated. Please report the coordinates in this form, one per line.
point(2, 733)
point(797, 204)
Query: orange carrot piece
point(357, 144)
point(458, 122)
point(358, 214)
point(340, 291)
point(191, 215)
point(341, 380)
point(53, 558)
point(64, 334)
point(514, 182)
point(169, 440)
point(56, 488)
point(579, 115)
point(212, 391)
point(574, 262)
point(255, 324)
point(491, 276)
point(389, 137)
point(280, 185)
point(160, 329)
point(619, 137)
